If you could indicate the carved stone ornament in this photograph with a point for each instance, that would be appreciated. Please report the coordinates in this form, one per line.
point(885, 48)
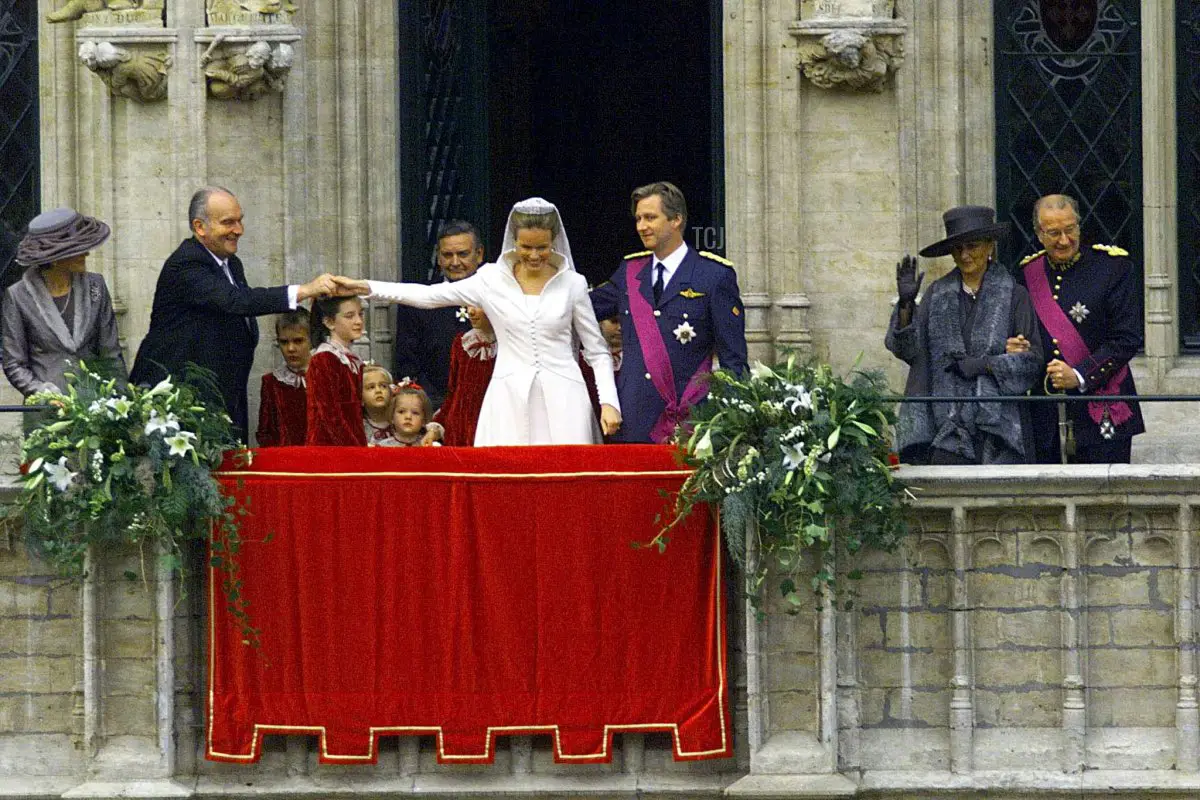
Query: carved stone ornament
point(110, 13)
point(134, 72)
point(249, 12)
point(856, 54)
point(246, 71)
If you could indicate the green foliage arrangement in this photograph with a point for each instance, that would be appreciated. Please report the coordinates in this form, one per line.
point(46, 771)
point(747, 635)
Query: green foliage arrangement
point(804, 454)
point(124, 465)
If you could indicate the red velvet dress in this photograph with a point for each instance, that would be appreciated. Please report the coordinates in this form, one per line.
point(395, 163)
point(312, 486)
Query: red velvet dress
point(282, 410)
point(471, 365)
point(335, 415)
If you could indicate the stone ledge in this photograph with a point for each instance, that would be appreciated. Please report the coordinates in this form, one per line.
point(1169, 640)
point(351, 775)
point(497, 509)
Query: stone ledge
point(793, 786)
point(465, 787)
point(1027, 481)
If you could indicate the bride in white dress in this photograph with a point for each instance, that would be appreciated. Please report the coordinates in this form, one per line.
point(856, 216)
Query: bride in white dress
point(541, 312)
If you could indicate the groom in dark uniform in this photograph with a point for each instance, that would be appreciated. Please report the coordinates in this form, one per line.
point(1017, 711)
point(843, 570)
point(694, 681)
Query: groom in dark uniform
point(1089, 307)
point(678, 310)
point(204, 310)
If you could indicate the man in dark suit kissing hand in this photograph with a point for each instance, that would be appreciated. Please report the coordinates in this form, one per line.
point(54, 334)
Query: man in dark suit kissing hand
point(204, 310)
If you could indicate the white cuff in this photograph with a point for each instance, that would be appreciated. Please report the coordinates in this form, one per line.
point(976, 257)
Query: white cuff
point(293, 297)
point(1082, 382)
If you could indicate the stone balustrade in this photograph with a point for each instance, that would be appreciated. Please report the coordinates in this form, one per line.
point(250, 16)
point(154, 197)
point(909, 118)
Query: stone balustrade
point(1034, 637)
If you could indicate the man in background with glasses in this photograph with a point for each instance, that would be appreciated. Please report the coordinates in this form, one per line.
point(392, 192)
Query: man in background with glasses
point(1089, 308)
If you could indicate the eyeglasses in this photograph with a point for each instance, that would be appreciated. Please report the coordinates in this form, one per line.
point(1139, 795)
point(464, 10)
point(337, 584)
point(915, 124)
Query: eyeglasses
point(1054, 235)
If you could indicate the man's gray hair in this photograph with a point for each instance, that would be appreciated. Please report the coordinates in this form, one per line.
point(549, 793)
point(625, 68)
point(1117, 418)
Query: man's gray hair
point(1057, 202)
point(673, 203)
point(198, 207)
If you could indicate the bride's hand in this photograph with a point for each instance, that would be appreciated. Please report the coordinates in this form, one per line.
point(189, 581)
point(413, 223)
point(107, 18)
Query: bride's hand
point(348, 287)
point(610, 419)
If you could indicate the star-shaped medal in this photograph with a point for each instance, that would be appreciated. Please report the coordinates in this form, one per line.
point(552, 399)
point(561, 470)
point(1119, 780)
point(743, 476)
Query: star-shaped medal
point(1079, 312)
point(685, 332)
point(461, 315)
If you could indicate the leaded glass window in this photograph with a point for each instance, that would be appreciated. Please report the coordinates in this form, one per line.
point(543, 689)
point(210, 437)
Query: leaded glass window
point(1068, 116)
point(443, 118)
point(19, 130)
point(1187, 60)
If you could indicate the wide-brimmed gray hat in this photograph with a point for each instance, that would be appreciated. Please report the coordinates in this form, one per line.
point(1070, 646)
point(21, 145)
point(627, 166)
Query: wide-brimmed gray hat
point(58, 234)
point(965, 224)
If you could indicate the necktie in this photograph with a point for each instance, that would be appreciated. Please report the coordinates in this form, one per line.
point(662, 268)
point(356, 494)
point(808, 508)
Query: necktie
point(658, 283)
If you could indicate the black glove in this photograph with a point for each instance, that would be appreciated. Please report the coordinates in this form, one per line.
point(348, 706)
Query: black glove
point(968, 367)
point(908, 282)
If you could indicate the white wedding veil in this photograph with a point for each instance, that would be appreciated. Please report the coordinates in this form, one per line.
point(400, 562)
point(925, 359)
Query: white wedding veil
point(539, 207)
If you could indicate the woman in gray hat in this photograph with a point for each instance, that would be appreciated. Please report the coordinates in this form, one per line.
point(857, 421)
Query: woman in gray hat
point(954, 342)
point(58, 313)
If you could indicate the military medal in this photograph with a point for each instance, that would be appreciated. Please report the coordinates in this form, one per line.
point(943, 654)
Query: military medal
point(1079, 312)
point(690, 293)
point(1107, 429)
point(461, 315)
point(685, 332)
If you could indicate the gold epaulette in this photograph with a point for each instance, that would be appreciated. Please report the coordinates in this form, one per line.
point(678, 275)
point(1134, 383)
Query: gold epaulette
point(1027, 259)
point(638, 254)
point(1112, 250)
point(716, 258)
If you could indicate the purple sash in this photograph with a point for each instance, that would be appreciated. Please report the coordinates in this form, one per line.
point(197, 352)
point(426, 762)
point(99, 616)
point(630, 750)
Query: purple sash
point(658, 363)
point(1074, 349)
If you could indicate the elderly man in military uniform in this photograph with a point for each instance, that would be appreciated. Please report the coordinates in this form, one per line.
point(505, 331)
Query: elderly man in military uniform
point(1089, 308)
point(678, 309)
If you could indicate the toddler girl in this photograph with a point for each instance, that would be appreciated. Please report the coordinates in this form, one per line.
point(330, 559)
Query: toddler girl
point(377, 403)
point(411, 414)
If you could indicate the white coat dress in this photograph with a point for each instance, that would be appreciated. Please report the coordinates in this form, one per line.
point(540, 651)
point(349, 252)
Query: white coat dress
point(537, 394)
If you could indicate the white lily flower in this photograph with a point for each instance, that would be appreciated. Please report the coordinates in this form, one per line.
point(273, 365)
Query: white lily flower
point(60, 474)
point(760, 371)
point(703, 448)
point(181, 443)
point(157, 424)
point(162, 387)
point(95, 407)
point(793, 455)
point(120, 406)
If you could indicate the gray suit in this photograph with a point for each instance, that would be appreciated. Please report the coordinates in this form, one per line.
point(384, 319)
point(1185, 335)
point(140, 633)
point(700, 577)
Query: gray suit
point(39, 348)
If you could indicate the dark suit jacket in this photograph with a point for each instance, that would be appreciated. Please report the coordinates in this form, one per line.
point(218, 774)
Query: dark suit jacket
point(199, 316)
point(704, 294)
point(423, 340)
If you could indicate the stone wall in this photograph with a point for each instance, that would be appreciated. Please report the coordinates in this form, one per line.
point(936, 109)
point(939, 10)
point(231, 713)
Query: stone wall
point(1036, 631)
point(1035, 636)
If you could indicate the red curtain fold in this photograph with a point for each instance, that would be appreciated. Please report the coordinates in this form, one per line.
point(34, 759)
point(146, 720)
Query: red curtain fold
point(469, 593)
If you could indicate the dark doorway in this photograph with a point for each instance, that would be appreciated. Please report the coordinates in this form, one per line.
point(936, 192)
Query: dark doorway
point(588, 100)
point(578, 102)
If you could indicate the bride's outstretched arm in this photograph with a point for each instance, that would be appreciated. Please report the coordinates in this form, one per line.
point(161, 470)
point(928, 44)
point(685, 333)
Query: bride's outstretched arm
point(466, 292)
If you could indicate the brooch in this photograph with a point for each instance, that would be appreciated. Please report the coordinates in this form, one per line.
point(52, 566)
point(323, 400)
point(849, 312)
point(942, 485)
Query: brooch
point(461, 315)
point(1079, 312)
point(685, 332)
point(690, 293)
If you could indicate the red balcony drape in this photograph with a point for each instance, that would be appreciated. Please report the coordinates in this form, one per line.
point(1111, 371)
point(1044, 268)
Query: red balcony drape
point(468, 593)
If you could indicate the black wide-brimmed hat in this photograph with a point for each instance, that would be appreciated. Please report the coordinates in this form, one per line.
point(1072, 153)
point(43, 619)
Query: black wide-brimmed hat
point(965, 224)
point(58, 234)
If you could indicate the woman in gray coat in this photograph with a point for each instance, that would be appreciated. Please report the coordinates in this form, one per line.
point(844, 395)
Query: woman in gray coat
point(58, 313)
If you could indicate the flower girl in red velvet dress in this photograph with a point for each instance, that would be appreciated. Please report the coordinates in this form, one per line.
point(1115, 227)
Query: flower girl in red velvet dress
point(335, 406)
point(283, 404)
point(412, 413)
